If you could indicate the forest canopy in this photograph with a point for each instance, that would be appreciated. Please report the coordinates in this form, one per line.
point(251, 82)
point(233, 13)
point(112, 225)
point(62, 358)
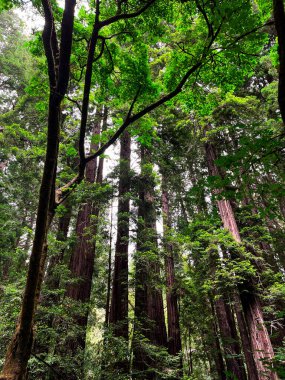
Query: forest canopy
point(142, 207)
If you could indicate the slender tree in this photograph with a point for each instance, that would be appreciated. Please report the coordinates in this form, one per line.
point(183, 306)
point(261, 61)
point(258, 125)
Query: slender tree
point(174, 338)
point(149, 312)
point(119, 304)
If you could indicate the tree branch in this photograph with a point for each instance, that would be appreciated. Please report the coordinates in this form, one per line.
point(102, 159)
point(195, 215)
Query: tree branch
point(131, 119)
point(125, 16)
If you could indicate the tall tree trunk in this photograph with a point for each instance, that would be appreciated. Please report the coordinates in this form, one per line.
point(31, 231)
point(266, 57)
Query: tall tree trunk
point(245, 340)
point(174, 338)
point(227, 328)
point(81, 263)
point(229, 339)
point(218, 356)
point(119, 303)
point(259, 337)
point(149, 312)
point(19, 350)
point(109, 278)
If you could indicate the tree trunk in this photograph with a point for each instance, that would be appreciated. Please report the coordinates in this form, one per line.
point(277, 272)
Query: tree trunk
point(229, 340)
point(259, 337)
point(174, 338)
point(227, 328)
point(81, 263)
point(218, 356)
point(149, 312)
point(119, 303)
point(245, 340)
point(19, 350)
point(109, 278)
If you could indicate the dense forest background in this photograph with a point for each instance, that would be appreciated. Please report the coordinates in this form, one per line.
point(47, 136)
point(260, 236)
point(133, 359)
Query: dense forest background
point(142, 190)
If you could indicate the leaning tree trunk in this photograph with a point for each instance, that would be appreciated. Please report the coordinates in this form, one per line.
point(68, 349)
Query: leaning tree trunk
point(149, 312)
point(259, 337)
point(174, 337)
point(119, 303)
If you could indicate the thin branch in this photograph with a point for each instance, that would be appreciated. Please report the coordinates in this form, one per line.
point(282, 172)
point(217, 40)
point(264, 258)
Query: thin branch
point(151, 107)
point(111, 58)
point(48, 365)
point(101, 51)
point(125, 16)
point(75, 102)
point(209, 25)
point(116, 34)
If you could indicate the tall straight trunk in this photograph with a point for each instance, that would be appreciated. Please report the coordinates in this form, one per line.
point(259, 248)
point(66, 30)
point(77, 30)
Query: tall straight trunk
point(109, 278)
point(218, 356)
point(259, 337)
point(229, 339)
point(149, 312)
point(227, 327)
point(174, 337)
point(81, 263)
point(245, 339)
point(119, 303)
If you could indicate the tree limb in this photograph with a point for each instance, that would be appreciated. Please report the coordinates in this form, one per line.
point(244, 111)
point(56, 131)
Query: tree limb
point(125, 16)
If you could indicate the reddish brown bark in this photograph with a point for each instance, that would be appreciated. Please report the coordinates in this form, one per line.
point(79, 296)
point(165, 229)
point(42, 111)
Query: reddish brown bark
point(217, 354)
point(119, 303)
point(174, 338)
point(229, 339)
point(260, 341)
point(245, 340)
point(81, 263)
point(227, 327)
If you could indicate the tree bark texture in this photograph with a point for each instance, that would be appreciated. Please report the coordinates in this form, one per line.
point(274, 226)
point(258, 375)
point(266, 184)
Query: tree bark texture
point(119, 303)
point(174, 337)
point(149, 312)
point(229, 340)
point(19, 350)
point(82, 259)
point(260, 341)
point(218, 354)
point(245, 340)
